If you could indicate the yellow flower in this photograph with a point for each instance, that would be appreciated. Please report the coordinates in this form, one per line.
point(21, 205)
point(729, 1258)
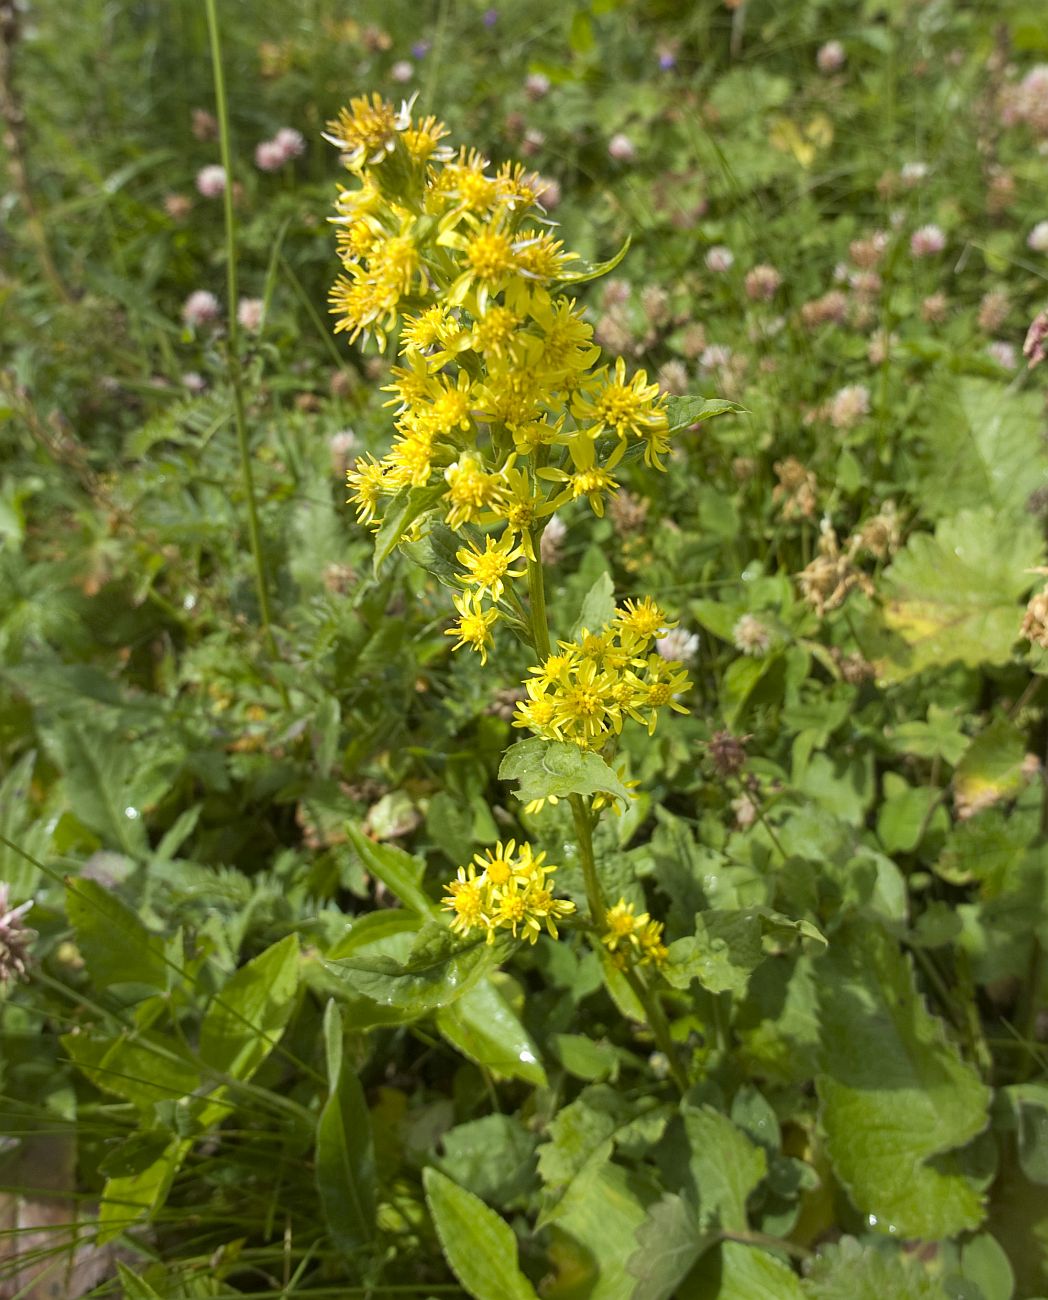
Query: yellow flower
point(488, 569)
point(624, 407)
point(474, 624)
point(512, 892)
point(644, 618)
point(365, 131)
point(470, 490)
point(367, 479)
point(467, 899)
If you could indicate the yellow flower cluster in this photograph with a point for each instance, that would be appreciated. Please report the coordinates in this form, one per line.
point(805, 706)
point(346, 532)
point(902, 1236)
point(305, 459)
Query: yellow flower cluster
point(502, 408)
point(631, 938)
point(584, 692)
point(506, 888)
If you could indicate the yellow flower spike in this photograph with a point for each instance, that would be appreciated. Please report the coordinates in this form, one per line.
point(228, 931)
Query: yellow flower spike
point(622, 406)
point(467, 899)
point(366, 131)
point(367, 481)
point(512, 892)
point(474, 624)
point(487, 570)
point(470, 491)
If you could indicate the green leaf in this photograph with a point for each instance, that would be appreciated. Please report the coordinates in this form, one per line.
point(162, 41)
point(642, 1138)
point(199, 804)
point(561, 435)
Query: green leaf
point(402, 511)
point(983, 445)
point(438, 970)
point(484, 1027)
point(746, 1273)
point(1030, 1103)
point(853, 1271)
point(105, 785)
point(598, 608)
point(669, 1242)
point(582, 1131)
point(493, 1157)
point(683, 412)
point(954, 597)
point(117, 947)
point(585, 1059)
point(22, 826)
point(135, 1288)
point(722, 1164)
point(477, 1243)
point(600, 1215)
point(399, 871)
point(721, 955)
point(345, 1154)
point(126, 1201)
point(545, 767)
point(992, 767)
point(984, 1262)
point(143, 1068)
point(1019, 1222)
point(894, 1093)
point(246, 1018)
point(593, 270)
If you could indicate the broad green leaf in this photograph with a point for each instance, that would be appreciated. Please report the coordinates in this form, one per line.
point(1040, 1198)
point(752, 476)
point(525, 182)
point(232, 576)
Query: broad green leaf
point(721, 955)
point(477, 1243)
point(983, 445)
point(399, 871)
point(493, 1157)
point(439, 969)
point(246, 1018)
point(586, 1059)
point(580, 1132)
point(738, 1272)
point(851, 1271)
point(599, 1215)
point(683, 412)
point(598, 608)
point(143, 1068)
point(992, 767)
point(954, 597)
point(435, 551)
point(1030, 1105)
point(345, 1155)
point(893, 1092)
point(984, 1262)
point(401, 512)
point(484, 1027)
point(126, 1201)
point(116, 946)
point(669, 1242)
point(720, 1163)
point(556, 767)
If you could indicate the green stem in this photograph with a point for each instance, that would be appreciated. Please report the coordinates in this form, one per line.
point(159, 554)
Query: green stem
point(233, 349)
point(537, 597)
point(653, 1011)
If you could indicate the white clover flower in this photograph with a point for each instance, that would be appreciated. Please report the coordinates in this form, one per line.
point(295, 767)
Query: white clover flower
point(211, 181)
point(678, 645)
point(201, 308)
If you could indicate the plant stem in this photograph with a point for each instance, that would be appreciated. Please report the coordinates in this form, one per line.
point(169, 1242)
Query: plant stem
point(537, 597)
point(236, 381)
point(584, 833)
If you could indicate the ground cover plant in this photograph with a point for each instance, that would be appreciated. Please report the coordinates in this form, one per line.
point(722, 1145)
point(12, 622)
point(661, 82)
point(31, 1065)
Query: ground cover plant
point(604, 857)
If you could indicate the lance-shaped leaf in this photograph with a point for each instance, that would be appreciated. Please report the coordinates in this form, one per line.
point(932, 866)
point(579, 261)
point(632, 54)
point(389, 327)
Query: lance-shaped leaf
point(345, 1162)
point(477, 1243)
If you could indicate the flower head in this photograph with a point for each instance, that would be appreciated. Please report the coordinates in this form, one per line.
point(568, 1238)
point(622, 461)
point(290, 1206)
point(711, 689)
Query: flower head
point(15, 938)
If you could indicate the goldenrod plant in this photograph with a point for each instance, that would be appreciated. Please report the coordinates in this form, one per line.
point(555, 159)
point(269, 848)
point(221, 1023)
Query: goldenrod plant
point(504, 412)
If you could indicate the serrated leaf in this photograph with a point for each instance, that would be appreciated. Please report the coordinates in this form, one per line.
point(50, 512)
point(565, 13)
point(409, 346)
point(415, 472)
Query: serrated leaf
point(669, 1242)
point(954, 597)
point(477, 1243)
point(492, 1157)
point(545, 767)
point(401, 512)
point(345, 1154)
point(893, 1092)
point(983, 445)
point(116, 946)
point(399, 871)
point(104, 783)
point(246, 1018)
point(850, 1271)
point(484, 1027)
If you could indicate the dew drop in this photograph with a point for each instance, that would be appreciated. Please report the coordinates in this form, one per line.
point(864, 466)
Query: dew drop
point(131, 814)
